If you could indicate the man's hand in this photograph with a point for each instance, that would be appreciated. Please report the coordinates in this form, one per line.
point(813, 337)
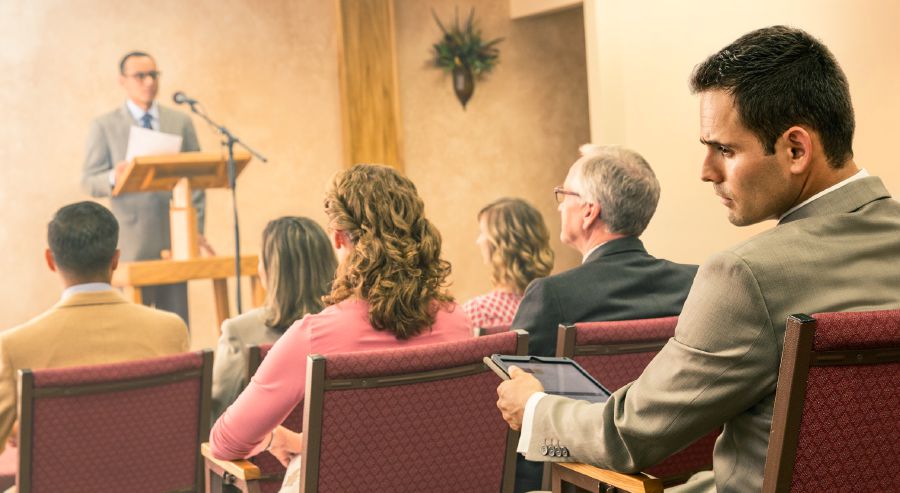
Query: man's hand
point(285, 445)
point(120, 169)
point(514, 393)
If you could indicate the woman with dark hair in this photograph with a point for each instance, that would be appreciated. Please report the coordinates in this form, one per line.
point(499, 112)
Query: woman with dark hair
point(514, 242)
point(389, 292)
point(296, 266)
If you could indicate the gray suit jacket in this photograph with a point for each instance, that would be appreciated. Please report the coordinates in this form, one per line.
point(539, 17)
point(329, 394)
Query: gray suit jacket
point(618, 281)
point(230, 363)
point(143, 217)
point(837, 253)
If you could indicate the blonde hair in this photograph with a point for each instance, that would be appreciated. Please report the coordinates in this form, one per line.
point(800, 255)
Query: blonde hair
point(395, 263)
point(299, 264)
point(518, 241)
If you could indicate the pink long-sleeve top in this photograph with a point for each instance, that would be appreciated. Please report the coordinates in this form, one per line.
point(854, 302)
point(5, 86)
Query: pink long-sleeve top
point(279, 383)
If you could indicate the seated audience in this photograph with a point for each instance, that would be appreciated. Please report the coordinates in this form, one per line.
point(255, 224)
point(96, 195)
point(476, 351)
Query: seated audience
point(777, 121)
point(513, 240)
point(296, 267)
point(389, 292)
point(605, 203)
point(92, 323)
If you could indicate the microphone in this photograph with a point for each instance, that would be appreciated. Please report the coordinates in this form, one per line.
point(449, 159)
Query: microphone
point(181, 98)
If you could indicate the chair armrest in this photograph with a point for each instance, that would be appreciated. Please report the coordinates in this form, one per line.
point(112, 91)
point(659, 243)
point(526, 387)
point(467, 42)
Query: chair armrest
point(594, 478)
point(241, 469)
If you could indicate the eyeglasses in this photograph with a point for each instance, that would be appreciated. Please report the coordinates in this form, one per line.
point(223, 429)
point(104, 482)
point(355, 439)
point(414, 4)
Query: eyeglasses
point(153, 74)
point(560, 194)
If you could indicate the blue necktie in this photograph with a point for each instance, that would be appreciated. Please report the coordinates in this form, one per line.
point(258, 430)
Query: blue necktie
point(146, 119)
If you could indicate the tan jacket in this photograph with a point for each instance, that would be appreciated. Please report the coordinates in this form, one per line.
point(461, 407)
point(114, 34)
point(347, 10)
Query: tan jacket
point(840, 252)
point(230, 363)
point(85, 329)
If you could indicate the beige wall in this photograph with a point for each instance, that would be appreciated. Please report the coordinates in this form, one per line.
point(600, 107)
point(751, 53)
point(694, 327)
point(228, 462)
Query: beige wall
point(640, 59)
point(268, 70)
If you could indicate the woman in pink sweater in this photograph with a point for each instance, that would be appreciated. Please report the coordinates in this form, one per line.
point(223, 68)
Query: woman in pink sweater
point(389, 292)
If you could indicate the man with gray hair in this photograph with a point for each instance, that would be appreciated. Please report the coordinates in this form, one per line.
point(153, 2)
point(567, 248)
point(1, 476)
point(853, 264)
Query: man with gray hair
point(605, 204)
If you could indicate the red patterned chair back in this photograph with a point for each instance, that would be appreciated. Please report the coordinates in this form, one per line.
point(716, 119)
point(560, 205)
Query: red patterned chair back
point(616, 353)
point(421, 418)
point(134, 426)
point(837, 405)
point(486, 331)
point(271, 470)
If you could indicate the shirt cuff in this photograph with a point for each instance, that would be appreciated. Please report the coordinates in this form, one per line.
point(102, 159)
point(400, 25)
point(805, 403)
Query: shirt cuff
point(112, 178)
point(528, 421)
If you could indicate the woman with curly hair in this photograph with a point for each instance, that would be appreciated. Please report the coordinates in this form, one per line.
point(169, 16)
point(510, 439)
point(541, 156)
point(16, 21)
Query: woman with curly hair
point(389, 291)
point(514, 241)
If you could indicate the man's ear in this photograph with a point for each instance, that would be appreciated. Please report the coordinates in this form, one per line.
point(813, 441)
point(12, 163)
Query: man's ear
point(51, 262)
point(115, 260)
point(798, 145)
point(591, 214)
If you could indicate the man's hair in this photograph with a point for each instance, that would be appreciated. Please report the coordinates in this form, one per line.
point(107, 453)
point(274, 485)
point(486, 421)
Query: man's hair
point(779, 77)
point(130, 55)
point(83, 238)
point(621, 181)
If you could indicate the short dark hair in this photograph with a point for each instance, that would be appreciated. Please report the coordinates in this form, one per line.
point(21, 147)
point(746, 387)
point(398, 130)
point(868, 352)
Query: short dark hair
point(130, 55)
point(781, 76)
point(83, 238)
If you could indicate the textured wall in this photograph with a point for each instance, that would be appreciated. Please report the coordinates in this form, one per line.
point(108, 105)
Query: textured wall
point(519, 134)
point(268, 71)
point(641, 62)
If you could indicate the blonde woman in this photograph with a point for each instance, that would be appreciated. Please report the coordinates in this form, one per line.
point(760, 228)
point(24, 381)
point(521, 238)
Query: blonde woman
point(389, 291)
point(514, 242)
point(297, 266)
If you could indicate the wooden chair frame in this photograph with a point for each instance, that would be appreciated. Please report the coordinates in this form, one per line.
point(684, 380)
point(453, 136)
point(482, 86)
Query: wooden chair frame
point(797, 358)
point(244, 474)
point(28, 394)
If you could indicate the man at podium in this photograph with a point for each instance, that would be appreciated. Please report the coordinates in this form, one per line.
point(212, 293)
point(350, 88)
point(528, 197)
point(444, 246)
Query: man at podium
point(144, 216)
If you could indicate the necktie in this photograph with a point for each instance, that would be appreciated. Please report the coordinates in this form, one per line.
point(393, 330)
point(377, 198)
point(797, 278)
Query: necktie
point(146, 121)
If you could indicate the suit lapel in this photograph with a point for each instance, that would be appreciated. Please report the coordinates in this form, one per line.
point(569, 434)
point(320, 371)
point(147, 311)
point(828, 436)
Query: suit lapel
point(123, 128)
point(848, 198)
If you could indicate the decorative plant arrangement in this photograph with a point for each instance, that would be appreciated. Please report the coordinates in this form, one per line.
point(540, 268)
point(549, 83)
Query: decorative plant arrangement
point(462, 53)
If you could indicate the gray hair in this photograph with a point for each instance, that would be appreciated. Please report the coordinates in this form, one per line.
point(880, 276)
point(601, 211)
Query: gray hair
point(621, 181)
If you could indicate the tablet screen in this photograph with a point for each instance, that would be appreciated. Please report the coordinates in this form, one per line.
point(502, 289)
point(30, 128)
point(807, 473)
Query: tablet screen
point(563, 378)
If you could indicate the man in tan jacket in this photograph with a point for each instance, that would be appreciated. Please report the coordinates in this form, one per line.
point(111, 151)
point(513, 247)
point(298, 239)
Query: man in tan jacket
point(776, 118)
point(92, 323)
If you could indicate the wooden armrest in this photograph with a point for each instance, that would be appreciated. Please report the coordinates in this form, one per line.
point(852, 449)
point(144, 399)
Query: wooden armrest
point(241, 469)
point(591, 477)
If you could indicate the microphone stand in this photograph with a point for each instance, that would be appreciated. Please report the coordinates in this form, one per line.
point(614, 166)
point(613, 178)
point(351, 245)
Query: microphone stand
point(230, 140)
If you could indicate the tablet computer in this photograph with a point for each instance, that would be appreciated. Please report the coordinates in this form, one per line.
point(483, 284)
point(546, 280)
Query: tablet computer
point(559, 376)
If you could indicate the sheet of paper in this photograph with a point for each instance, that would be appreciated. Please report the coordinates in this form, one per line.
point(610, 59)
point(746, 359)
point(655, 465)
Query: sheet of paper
point(291, 481)
point(146, 142)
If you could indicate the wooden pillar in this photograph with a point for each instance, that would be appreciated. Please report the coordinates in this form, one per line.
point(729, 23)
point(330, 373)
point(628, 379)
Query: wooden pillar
point(367, 68)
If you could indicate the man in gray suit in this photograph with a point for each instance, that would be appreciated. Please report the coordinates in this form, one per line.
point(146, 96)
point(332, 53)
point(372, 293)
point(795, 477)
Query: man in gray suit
point(777, 121)
point(144, 217)
point(605, 203)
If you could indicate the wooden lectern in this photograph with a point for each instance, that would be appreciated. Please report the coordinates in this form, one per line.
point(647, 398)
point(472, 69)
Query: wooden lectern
point(182, 173)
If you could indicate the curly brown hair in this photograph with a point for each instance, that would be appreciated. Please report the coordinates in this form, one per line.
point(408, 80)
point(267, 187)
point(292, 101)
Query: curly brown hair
point(519, 243)
point(395, 264)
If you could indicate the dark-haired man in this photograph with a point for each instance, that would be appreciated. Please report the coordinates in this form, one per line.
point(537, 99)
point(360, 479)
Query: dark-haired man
point(776, 118)
point(92, 323)
point(144, 217)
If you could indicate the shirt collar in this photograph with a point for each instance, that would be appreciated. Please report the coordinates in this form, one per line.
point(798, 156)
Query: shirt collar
point(88, 287)
point(137, 113)
point(858, 176)
point(592, 250)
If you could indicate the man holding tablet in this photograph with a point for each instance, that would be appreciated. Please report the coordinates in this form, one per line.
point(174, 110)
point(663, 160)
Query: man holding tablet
point(777, 121)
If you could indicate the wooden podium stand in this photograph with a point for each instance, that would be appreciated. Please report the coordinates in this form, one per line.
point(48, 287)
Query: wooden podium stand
point(182, 173)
